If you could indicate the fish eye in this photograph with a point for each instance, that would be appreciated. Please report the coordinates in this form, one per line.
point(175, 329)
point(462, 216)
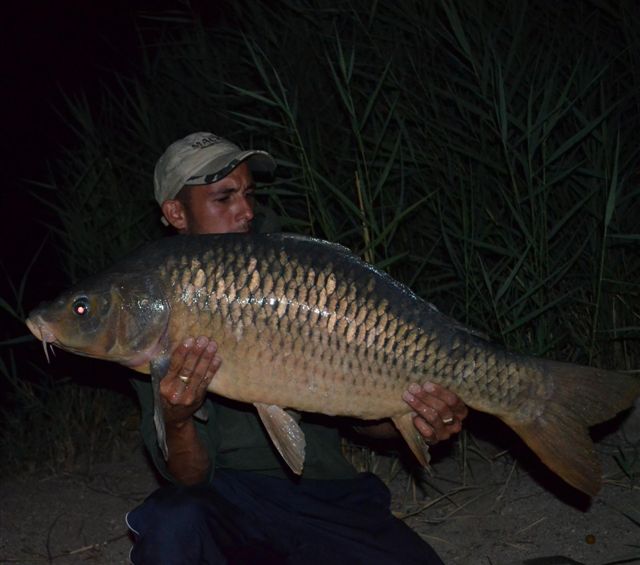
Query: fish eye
point(80, 306)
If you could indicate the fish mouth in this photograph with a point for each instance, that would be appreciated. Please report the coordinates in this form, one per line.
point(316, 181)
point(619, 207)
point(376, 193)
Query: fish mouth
point(40, 330)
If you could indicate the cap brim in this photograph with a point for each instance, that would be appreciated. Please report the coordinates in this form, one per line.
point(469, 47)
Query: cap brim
point(222, 165)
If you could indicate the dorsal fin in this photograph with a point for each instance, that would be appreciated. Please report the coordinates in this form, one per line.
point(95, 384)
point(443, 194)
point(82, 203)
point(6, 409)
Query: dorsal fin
point(336, 247)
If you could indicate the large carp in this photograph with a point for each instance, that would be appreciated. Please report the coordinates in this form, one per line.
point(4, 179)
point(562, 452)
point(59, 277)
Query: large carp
point(304, 324)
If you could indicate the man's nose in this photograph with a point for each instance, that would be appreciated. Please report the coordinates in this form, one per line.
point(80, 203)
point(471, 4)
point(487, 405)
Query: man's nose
point(246, 208)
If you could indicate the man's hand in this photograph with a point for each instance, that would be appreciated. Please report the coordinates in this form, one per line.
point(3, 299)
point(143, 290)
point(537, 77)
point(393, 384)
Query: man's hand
point(193, 365)
point(438, 415)
point(438, 411)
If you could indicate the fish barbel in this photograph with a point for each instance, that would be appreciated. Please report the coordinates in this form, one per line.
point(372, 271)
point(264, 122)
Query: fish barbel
point(304, 324)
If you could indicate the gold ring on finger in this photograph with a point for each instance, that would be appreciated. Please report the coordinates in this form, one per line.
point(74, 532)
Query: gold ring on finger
point(184, 379)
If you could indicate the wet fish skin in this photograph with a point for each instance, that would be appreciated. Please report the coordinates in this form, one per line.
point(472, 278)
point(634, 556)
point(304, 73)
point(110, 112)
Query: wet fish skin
point(331, 331)
point(304, 324)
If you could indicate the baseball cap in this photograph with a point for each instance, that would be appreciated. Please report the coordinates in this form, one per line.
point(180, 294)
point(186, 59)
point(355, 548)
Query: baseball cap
point(202, 158)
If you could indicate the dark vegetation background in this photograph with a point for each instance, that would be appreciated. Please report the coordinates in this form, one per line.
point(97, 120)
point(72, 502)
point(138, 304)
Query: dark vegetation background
point(485, 153)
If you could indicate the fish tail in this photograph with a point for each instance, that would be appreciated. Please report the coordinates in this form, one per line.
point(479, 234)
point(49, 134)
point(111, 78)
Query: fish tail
point(558, 433)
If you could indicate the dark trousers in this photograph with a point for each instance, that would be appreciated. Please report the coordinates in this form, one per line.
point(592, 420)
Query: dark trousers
point(248, 518)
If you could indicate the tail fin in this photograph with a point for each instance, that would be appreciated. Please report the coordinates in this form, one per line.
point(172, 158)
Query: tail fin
point(580, 397)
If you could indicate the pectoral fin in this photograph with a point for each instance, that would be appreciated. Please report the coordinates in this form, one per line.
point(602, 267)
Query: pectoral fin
point(413, 438)
point(285, 434)
point(159, 369)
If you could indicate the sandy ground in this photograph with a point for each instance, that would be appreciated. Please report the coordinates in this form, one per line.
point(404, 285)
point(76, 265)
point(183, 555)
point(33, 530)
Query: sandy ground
point(492, 510)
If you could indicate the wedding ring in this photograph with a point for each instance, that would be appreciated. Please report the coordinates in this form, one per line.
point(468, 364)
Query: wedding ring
point(184, 379)
point(447, 421)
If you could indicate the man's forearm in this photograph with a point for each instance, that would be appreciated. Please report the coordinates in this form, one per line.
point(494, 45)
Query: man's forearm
point(188, 459)
point(379, 430)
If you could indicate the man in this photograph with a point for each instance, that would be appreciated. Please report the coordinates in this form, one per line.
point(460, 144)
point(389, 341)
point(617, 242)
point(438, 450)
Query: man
point(232, 498)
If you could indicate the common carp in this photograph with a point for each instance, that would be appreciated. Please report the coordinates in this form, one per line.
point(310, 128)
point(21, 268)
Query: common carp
point(304, 324)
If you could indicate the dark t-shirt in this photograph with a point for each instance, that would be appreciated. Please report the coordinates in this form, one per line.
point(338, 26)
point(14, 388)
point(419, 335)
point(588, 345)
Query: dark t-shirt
point(235, 438)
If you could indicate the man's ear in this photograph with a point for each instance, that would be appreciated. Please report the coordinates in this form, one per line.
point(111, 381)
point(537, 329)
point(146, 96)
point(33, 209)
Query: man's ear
point(175, 214)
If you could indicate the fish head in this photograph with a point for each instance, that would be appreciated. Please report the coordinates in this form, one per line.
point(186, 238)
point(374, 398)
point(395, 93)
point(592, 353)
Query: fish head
point(119, 317)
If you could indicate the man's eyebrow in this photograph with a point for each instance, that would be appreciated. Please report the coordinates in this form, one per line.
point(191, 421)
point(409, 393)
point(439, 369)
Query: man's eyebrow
point(225, 191)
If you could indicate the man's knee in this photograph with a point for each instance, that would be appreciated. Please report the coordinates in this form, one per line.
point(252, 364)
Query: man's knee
point(173, 509)
point(175, 525)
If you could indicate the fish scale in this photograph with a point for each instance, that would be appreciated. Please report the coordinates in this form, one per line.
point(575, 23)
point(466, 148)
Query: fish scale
point(290, 312)
point(302, 323)
point(293, 311)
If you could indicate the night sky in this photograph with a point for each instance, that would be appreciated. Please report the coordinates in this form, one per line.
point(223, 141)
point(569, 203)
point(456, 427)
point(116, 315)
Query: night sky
point(50, 48)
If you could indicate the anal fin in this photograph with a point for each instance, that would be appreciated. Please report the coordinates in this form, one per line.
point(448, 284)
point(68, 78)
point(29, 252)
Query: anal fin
point(285, 433)
point(413, 438)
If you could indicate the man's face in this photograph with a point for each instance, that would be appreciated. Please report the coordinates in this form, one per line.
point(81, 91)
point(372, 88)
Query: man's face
point(225, 206)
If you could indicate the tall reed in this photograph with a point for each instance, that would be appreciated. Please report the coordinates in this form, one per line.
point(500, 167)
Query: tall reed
point(483, 152)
